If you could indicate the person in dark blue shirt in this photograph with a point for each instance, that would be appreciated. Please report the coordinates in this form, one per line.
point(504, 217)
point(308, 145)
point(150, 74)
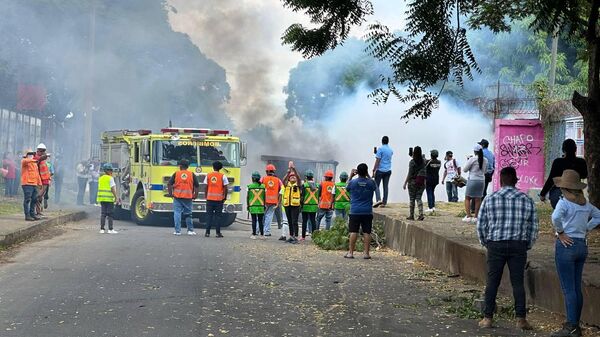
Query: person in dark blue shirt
point(361, 192)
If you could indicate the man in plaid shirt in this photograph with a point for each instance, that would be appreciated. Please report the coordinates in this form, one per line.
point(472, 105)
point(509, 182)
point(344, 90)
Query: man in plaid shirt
point(507, 227)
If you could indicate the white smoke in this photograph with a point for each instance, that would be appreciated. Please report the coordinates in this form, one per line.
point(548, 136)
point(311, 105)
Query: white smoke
point(357, 126)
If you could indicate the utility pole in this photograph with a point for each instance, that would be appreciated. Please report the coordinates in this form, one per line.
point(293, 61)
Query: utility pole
point(89, 87)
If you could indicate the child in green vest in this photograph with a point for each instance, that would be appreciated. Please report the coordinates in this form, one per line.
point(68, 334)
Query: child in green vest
point(256, 205)
point(342, 197)
point(310, 203)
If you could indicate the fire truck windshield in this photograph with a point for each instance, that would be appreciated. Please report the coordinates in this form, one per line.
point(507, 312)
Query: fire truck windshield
point(169, 152)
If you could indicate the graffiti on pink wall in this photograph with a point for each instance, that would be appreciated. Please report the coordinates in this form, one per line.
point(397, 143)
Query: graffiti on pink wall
point(520, 144)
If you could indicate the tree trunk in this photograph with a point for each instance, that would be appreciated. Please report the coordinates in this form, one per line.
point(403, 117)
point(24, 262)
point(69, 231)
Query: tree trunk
point(589, 107)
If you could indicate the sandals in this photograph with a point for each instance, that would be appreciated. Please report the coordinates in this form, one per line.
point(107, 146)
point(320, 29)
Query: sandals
point(346, 256)
point(367, 257)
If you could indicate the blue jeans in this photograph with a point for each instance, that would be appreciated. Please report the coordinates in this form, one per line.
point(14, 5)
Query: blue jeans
point(269, 213)
point(182, 208)
point(569, 265)
point(385, 176)
point(430, 188)
point(328, 214)
point(341, 213)
point(30, 196)
point(452, 192)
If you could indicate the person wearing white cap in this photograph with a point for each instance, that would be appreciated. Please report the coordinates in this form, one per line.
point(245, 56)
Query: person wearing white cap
point(477, 167)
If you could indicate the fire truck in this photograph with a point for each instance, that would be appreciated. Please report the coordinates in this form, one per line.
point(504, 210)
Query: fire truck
point(144, 162)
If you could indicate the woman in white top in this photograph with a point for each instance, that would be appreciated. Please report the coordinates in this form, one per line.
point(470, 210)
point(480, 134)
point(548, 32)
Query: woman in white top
point(476, 166)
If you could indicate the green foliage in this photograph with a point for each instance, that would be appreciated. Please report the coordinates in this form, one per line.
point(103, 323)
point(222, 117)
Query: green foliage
point(434, 49)
point(464, 307)
point(337, 237)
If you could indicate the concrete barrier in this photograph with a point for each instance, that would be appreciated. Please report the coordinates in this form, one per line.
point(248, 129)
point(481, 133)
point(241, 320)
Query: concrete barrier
point(25, 233)
point(469, 260)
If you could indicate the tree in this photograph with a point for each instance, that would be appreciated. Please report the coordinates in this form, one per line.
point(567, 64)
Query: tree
point(435, 48)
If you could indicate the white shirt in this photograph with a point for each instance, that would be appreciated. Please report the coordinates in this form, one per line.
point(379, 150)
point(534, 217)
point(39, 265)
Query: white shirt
point(472, 166)
point(225, 180)
point(451, 171)
point(112, 182)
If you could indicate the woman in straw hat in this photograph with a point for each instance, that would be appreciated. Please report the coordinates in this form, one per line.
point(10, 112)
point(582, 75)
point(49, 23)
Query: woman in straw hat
point(571, 219)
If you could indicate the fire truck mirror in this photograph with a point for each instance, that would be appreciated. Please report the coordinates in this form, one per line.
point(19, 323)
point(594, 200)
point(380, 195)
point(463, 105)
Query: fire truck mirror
point(146, 150)
point(243, 153)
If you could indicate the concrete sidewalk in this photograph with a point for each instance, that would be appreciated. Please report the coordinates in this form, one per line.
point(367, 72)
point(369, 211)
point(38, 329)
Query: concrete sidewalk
point(445, 242)
point(14, 228)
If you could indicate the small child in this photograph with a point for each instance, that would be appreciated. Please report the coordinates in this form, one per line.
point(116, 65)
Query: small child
point(573, 218)
point(342, 198)
point(107, 196)
point(256, 205)
point(326, 190)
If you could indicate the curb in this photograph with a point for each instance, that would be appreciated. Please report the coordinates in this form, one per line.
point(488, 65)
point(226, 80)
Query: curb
point(541, 282)
point(26, 233)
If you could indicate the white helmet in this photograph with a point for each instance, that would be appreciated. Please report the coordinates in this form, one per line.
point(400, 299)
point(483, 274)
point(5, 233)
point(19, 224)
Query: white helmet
point(41, 146)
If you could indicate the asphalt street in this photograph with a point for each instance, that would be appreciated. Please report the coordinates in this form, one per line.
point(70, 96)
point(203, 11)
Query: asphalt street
point(145, 281)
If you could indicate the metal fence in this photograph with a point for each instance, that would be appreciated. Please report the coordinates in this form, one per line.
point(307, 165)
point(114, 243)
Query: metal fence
point(18, 131)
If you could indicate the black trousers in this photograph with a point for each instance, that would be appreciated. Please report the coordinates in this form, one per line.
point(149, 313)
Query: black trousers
point(309, 216)
point(107, 211)
point(293, 213)
point(214, 212)
point(258, 222)
point(501, 253)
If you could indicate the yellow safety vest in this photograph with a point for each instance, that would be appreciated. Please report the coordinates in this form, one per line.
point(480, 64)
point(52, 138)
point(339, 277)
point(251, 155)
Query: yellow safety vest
point(291, 195)
point(104, 192)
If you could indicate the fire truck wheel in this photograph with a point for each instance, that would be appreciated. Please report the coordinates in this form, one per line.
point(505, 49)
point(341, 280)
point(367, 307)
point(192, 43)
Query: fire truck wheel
point(139, 213)
point(228, 219)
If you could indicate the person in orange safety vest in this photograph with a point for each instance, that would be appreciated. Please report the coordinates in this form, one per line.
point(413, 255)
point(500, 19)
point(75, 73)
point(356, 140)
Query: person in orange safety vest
point(183, 187)
point(216, 194)
point(326, 199)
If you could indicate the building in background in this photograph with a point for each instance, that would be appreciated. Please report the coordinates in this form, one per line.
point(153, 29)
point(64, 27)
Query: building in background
point(302, 165)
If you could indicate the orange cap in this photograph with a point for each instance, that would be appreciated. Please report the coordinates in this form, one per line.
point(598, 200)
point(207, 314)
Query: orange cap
point(271, 167)
point(329, 174)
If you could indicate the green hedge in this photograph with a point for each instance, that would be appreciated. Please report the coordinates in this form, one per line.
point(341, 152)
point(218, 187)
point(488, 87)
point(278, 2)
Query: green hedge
point(337, 237)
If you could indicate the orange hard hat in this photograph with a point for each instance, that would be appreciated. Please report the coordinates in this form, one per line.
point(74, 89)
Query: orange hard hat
point(271, 167)
point(329, 174)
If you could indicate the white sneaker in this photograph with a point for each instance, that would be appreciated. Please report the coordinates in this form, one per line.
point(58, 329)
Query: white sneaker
point(474, 220)
point(110, 231)
point(433, 209)
point(102, 231)
point(466, 219)
point(191, 233)
point(429, 210)
point(253, 237)
point(176, 233)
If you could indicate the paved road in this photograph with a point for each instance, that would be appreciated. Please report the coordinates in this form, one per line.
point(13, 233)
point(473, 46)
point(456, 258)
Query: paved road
point(146, 282)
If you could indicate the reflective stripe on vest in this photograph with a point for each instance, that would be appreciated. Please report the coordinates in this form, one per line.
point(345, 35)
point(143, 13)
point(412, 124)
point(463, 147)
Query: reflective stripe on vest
point(291, 195)
point(214, 180)
point(184, 185)
point(256, 196)
point(30, 174)
point(104, 191)
point(326, 197)
point(271, 190)
point(310, 195)
point(44, 171)
point(341, 194)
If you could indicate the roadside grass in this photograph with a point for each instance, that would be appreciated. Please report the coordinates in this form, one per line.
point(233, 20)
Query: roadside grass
point(337, 237)
point(10, 207)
